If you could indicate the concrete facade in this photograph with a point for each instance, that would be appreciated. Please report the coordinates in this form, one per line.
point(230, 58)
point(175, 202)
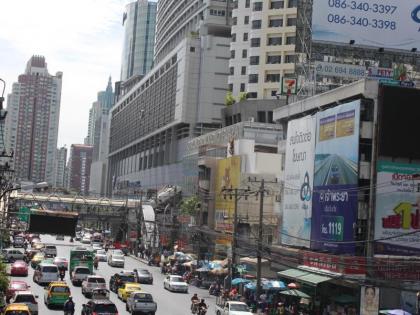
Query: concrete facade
point(60, 167)
point(79, 168)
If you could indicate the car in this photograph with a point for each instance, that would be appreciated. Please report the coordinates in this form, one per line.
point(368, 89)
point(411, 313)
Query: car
point(56, 293)
point(36, 260)
point(175, 284)
point(59, 237)
point(14, 286)
point(18, 241)
point(26, 297)
point(144, 276)
point(45, 273)
point(12, 254)
point(85, 240)
point(140, 302)
point(50, 250)
point(79, 274)
point(61, 262)
point(232, 308)
point(92, 282)
point(116, 260)
point(101, 255)
point(29, 254)
point(99, 307)
point(118, 279)
point(19, 268)
point(126, 289)
point(17, 309)
point(115, 252)
point(97, 245)
point(38, 245)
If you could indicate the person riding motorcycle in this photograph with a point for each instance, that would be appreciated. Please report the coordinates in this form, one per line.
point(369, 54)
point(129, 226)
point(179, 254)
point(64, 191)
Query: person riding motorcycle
point(194, 303)
point(96, 262)
point(202, 307)
point(69, 306)
point(62, 272)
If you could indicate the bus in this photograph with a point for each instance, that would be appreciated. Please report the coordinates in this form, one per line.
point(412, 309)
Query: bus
point(81, 256)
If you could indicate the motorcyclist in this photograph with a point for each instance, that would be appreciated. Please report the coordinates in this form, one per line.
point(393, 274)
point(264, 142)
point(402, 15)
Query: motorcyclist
point(202, 307)
point(69, 306)
point(96, 262)
point(62, 272)
point(195, 300)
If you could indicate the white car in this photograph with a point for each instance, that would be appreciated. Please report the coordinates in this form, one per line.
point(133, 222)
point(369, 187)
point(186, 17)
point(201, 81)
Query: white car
point(175, 284)
point(85, 240)
point(116, 260)
point(45, 273)
point(79, 274)
point(101, 254)
point(50, 250)
point(26, 297)
point(92, 282)
point(232, 308)
point(96, 246)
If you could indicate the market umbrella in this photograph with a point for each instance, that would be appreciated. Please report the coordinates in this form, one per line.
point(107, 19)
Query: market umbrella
point(251, 286)
point(295, 293)
point(237, 281)
point(293, 285)
point(398, 312)
point(274, 285)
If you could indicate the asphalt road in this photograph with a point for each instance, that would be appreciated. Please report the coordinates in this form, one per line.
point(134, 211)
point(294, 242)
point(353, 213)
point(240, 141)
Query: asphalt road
point(168, 303)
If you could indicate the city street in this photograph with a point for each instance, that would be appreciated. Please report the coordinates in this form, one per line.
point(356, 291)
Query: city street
point(168, 303)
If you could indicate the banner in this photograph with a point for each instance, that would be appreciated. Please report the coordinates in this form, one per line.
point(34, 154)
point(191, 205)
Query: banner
point(397, 208)
point(228, 176)
point(334, 210)
point(298, 183)
point(369, 300)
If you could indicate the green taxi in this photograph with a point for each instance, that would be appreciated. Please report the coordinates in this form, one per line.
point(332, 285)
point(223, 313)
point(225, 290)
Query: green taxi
point(56, 293)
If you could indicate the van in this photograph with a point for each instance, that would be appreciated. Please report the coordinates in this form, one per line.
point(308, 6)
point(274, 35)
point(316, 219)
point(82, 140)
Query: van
point(11, 254)
point(45, 273)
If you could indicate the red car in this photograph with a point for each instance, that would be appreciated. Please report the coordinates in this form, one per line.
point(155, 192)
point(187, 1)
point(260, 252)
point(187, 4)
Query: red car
point(16, 286)
point(61, 262)
point(19, 268)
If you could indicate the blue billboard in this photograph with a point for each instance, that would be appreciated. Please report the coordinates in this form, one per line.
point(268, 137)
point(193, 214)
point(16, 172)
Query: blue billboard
point(334, 207)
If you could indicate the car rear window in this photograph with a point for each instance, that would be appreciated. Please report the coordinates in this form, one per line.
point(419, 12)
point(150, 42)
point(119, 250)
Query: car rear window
point(103, 308)
point(49, 269)
point(50, 247)
point(96, 280)
point(144, 272)
point(60, 289)
point(127, 278)
point(121, 257)
point(25, 298)
point(17, 313)
point(143, 297)
point(83, 270)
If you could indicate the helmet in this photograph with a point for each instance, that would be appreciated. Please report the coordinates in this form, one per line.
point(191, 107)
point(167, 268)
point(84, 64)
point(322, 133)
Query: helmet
point(195, 294)
point(202, 300)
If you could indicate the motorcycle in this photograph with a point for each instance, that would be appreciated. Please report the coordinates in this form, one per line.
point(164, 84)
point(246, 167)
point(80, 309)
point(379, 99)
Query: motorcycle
point(202, 311)
point(194, 307)
point(95, 264)
point(62, 274)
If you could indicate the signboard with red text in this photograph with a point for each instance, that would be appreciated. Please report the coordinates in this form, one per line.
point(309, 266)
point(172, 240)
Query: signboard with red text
point(397, 213)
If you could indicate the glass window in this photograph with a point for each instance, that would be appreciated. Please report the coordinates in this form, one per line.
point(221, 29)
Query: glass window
point(292, 4)
point(235, 21)
point(274, 59)
point(252, 95)
point(274, 41)
point(290, 59)
point(291, 22)
point(243, 70)
point(232, 70)
point(254, 60)
point(277, 5)
point(242, 87)
point(232, 54)
point(256, 24)
point(275, 23)
point(261, 116)
point(255, 42)
point(233, 37)
point(244, 53)
point(245, 37)
point(272, 77)
point(290, 40)
point(246, 20)
point(247, 3)
point(230, 87)
point(258, 6)
point(253, 78)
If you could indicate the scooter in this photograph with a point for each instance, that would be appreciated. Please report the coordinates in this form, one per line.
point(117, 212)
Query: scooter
point(202, 311)
point(194, 308)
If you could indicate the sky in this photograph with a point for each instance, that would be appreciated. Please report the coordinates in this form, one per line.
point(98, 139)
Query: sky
point(81, 38)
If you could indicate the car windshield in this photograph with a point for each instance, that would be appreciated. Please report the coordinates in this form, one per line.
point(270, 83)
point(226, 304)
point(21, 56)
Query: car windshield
point(83, 270)
point(24, 298)
point(49, 269)
point(105, 308)
point(127, 278)
point(177, 279)
point(60, 289)
point(143, 297)
point(96, 280)
point(239, 308)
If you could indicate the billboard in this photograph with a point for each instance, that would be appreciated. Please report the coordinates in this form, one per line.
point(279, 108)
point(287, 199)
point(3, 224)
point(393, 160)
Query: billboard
point(334, 206)
point(369, 300)
point(298, 183)
point(227, 175)
point(53, 222)
point(397, 208)
point(391, 24)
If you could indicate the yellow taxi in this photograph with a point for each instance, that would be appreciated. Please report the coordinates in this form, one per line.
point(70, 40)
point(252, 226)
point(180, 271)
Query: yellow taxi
point(17, 309)
point(56, 293)
point(39, 246)
point(126, 289)
point(36, 260)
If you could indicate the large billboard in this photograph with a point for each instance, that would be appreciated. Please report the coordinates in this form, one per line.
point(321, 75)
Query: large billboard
point(334, 209)
point(391, 24)
point(227, 176)
point(397, 208)
point(298, 182)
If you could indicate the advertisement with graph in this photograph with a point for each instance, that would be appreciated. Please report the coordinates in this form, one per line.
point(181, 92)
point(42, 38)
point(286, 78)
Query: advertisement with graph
point(298, 183)
point(228, 175)
point(334, 210)
point(397, 209)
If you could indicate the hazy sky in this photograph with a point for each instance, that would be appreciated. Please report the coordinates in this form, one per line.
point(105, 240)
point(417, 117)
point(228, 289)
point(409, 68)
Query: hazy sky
point(81, 38)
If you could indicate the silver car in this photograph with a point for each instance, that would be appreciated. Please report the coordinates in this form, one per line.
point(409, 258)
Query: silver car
point(116, 261)
point(101, 254)
point(79, 274)
point(92, 282)
point(26, 297)
point(140, 302)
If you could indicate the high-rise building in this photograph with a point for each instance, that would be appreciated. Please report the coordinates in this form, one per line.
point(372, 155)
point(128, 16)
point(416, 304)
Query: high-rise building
point(179, 98)
point(60, 167)
point(262, 47)
point(139, 21)
point(79, 168)
point(32, 121)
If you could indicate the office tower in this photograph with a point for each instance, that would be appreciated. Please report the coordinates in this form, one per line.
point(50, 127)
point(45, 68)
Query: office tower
point(79, 168)
point(60, 167)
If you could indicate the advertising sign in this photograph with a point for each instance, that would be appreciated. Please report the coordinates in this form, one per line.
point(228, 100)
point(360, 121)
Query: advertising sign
point(228, 175)
point(369, 300)
point(298, 184)
point(288, 86)
point(397, 208)
point(334, 209)
point(391, 24)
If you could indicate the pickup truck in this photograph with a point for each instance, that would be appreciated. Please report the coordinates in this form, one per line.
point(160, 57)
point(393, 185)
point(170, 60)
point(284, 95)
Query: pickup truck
point(140, 302)
point(232, 308)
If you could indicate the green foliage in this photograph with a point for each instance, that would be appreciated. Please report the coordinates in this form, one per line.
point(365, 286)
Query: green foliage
point(229, 99)
point(4, 279)
point(190, 205)
point(242, 97)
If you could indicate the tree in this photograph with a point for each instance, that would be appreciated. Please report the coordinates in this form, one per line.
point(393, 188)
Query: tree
point(190, 205)
point(4, 278)
point(229, 99)
point(242, 97)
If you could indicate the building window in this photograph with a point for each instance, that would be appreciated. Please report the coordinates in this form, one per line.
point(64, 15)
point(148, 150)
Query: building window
point(253, 78)
point(261, 116)
point(252, 95)
point(232, 54)
point(231, 70)
point(291, 22)
point(270, 115)
point(276, 5)
point(242, 87)
point(258, 6)
point(274, 93)
point(247, 3)
point(245, 37)
point(274, 41)
point(235, 21)
point(244, 53)
point(254, 60)
point(217, 12)
point(290, 59)
point(255, 42)
point(230, 87)
point(243, 70)
point(292, 4)
point(233, 37)
point(275, 23)
point(256, 24)
point(290, 40)
point(272, 77)
point(192, 49)
point(246, 20)
point(273, 59)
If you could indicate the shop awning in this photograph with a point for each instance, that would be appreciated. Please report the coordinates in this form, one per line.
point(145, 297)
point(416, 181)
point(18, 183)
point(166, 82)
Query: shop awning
point(313, 279)
point(292, 273)
point(303, 276)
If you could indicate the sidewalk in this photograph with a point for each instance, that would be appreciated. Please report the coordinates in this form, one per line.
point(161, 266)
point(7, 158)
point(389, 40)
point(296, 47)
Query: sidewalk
point(144, 261)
